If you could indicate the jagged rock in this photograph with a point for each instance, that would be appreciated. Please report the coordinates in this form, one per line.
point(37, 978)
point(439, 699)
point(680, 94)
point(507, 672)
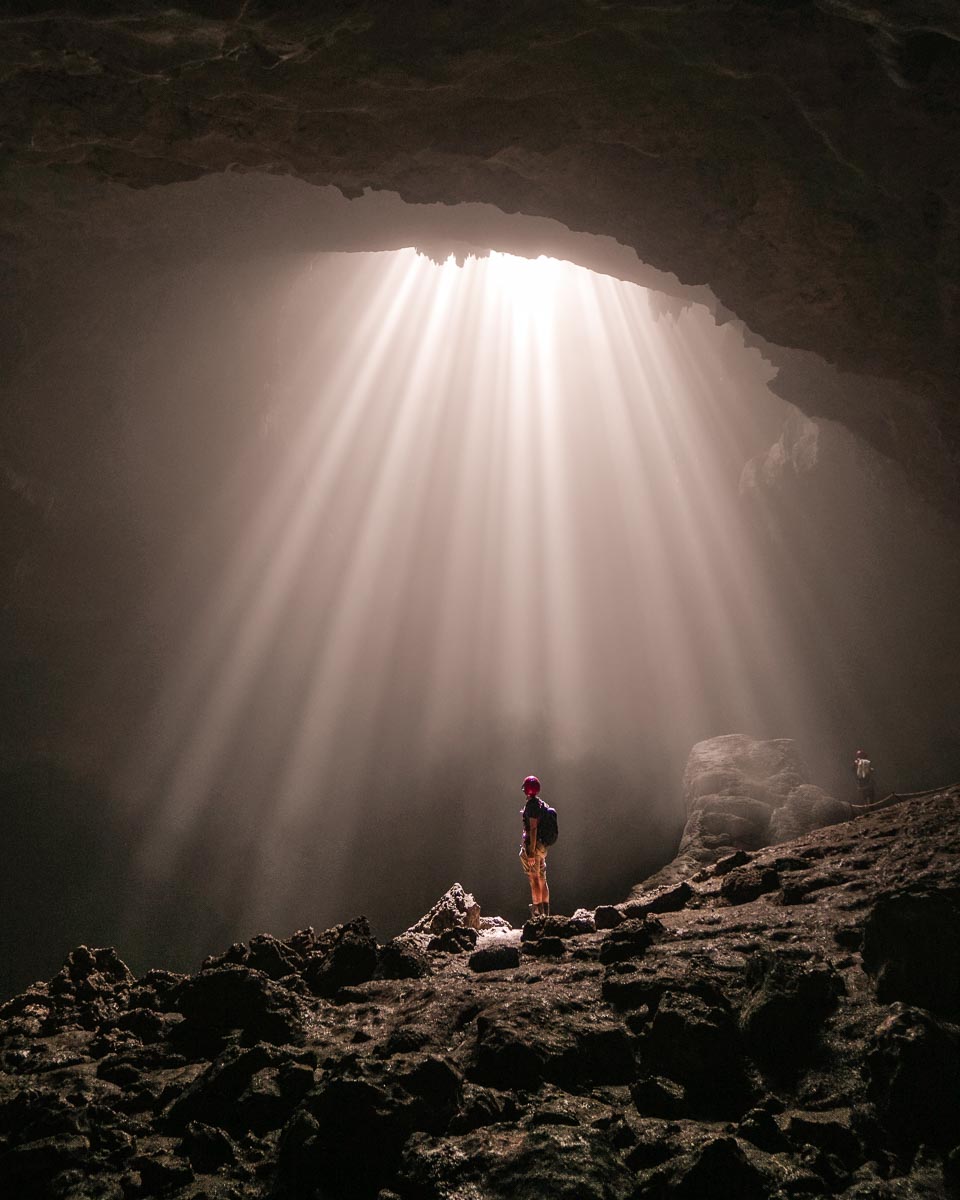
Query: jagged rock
point(911, 944)
point(483, 1106)
point(630, 940)
point(913, 1067)
point(403, 958)
point(723, 1169)
point(787, 1007)
point(350, 1132)
point(455, 940)
point(544, 947)
point(500, 1164)
point(344, 955)
point(28, 1164)
point(456, 908)
point(213, 1096)
point(522, 1044)
point(831, 1131)
point(160, 1173)
point(237, 998)
point(655, 1096)
point(208, 1148)
point(694, 1041)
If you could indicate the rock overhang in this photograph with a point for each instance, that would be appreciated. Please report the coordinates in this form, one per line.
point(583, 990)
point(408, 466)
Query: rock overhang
point(799, 159)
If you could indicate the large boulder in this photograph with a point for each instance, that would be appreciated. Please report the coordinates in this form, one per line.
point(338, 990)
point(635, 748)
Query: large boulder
point(744, 793)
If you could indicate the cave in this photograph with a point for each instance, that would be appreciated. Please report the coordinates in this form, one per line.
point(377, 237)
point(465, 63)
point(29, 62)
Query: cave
point(396, 399)
point(784, 174)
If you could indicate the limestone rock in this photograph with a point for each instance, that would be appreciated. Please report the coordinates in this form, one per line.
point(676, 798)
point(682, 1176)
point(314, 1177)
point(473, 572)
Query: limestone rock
point(742, 794)
point(456, 909)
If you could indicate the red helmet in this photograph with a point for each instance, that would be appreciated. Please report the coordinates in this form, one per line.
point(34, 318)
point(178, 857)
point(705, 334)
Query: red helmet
point(531, 785)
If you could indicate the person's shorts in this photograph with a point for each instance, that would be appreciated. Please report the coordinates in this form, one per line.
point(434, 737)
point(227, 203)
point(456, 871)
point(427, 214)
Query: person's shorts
point(536, 863)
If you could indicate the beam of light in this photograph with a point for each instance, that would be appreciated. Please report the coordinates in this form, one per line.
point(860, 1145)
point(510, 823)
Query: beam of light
point(504, 493)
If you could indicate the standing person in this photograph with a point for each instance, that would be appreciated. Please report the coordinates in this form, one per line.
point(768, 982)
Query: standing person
point(863, 770)
point(533, 851)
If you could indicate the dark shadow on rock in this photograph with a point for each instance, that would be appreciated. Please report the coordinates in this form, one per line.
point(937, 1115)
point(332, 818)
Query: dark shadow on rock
point(911, 945)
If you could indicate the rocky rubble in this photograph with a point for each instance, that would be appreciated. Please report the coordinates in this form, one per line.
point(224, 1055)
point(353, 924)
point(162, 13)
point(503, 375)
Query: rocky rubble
point(784, 1023)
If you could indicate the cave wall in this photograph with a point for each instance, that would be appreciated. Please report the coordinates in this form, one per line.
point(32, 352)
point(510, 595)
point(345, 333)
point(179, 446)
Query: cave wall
point(798, 157)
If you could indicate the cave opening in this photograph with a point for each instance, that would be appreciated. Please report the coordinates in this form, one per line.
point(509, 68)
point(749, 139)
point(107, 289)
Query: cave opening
point(266, 676)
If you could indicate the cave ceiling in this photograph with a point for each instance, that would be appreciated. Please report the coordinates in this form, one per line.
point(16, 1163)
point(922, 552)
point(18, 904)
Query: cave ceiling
point(798, 158)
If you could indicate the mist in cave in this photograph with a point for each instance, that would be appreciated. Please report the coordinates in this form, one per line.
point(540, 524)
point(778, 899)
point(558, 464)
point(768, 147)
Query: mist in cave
point(313, 555)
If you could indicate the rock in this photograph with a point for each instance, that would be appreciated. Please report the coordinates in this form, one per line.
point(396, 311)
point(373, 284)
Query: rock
point(269, 955)
point(207, 1148)
point(456, 908)
point(403, 958)
point(807, 808)
point(747, 883)
point(26, 1166)
point(670, 898)
point(911, 945)
point(831, 1131)
point(694, 1041)
point(723, 1169)
point(160, 1173)
point(343, 956)
point(788, 1004)
point(734, 787)
point(655, 1096)
point(522, 1044)
point(544, 947)
point(350, 1132)
point(607, 916)
point(237, 998)
point(495, 958)
point(500, 1164)
point(913, 1068)
point(725, 865)
point(213, 1097)
point(630, 940)
point(582, 921)
point(455, 940)
point(483, 1106)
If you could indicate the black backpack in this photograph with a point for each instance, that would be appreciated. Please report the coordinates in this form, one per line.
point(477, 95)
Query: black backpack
point(547, 831)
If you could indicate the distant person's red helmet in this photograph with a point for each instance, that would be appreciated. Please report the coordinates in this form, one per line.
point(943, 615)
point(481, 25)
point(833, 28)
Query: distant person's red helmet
point(860, 754)
point(531, 785)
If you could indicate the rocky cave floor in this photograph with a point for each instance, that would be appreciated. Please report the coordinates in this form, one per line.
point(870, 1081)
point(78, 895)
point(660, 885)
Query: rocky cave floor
point(784, 1024)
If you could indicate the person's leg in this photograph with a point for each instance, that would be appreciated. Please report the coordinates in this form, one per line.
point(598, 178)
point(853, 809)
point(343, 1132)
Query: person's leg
point(544, 898)
point(533, 878)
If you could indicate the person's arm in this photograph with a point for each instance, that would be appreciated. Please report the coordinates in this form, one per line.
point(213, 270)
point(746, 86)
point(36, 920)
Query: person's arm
point(532, 838)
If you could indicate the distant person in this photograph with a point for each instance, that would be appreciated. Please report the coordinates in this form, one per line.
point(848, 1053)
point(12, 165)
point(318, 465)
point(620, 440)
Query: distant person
point(863, 770)
point(539, 832)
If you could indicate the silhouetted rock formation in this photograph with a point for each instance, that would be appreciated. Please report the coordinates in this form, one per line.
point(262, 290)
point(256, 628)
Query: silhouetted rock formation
point(741, 794)
point(785, 1026)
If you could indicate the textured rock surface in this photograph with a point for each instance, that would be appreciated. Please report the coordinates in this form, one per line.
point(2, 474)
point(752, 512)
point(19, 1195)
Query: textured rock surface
point(742, 793)
point(800, 158)
point(737, 1044)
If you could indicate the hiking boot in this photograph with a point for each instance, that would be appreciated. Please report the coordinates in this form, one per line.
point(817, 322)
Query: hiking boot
point(545, 909)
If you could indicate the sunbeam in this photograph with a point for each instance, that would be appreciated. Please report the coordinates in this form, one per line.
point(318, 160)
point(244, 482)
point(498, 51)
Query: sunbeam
point(495, 496)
